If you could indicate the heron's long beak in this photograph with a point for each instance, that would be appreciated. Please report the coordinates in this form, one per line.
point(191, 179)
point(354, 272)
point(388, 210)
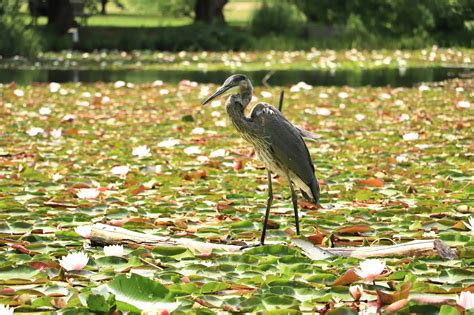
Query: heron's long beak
point(219, 92)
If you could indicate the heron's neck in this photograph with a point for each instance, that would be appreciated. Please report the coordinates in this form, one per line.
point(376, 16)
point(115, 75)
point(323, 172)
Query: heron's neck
point(235, 108)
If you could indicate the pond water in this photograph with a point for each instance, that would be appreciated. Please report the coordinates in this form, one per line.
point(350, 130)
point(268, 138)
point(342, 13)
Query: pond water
point(372, 77)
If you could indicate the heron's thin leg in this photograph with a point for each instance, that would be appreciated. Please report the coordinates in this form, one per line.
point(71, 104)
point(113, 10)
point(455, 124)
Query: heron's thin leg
point(269, 204)
point(294, 199)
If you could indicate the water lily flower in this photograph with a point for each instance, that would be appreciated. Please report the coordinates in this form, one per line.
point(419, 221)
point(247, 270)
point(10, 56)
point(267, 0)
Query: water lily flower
point(370, 269)
point(356, 291)
point(119, 84)
point(411, 136)
point(216, 103)
point(120, 170)
point(470, 225)
point(360, 117)
point(198, 131)
point(192, 150)
point(54, 87)
point(141, 151)
point(322, 111)
point(44, 111)
point(74, 261)
point(84, 231)
point(385, 96)
point(217, 153)
point(113, 250)
point(157, 83)
point(6, 310)
point(18, 93)
point(266, 94)
point(168, 143)
point(401, 158)
point(68, 117)
point(56, 176)
point(465, 300)
point(56, 133)
point(34, 131)
point(464, 104)
point(87, 193)
point(221, 123)
point(404, 117)
point(423, 88)
point(323, 95)
point(343, 95)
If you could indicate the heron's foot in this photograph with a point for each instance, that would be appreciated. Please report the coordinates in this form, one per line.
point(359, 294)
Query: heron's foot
point(247, 246)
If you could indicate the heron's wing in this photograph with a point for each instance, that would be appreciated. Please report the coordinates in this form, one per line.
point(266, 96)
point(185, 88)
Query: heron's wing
point(285, 141)
point(308, 135)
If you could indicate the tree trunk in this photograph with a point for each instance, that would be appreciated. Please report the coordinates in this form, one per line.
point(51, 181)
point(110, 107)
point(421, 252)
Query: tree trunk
point(210, 11)
point(60, 16)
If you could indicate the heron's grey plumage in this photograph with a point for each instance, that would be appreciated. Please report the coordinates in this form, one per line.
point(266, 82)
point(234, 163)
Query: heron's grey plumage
point(278, 143)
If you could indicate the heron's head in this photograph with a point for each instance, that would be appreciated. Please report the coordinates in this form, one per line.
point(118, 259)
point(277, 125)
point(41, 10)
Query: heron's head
point(235, 84)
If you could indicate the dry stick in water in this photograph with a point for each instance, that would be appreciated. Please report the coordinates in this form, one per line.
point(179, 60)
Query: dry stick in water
point(106, 234)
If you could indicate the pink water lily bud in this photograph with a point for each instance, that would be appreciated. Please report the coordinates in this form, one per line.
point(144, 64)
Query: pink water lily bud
point(465, 300)
point(74, 261)
point(370, 269)
point(356, 291)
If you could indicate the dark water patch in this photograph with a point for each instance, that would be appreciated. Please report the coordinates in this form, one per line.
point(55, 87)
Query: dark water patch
point(372, 77)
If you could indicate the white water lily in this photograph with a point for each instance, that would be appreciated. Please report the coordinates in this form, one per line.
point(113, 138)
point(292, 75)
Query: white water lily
point(402, 158)
point(168, 143)
point(464, 104)
point(157, 83)
point(120, 170)
point(192, 150)
point(68, 117)
point(74, 261)
point(34, 131)
point(56, 133)
point(83, 230)
point(56, 176)
point(6, 310)
point(113, 250)
point(141, 151)
point(18, 92)
point(54, 87)
point(323, 95)
point(217, 153)
point(216, 103)
point(44, 111)
point(470, 225)
point(198, 131)
point(360, 117)
point(118, 84)
point(87, 193)
point(370, 269)
point(220, 123)
point(404, 117)
point(411, 136)
point(266, 94)
point(465, 300)
point(322, 111)
point(423, 88)
point(343, 95)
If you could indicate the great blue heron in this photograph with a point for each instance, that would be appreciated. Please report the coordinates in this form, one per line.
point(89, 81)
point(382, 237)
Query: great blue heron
point(278, 143)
